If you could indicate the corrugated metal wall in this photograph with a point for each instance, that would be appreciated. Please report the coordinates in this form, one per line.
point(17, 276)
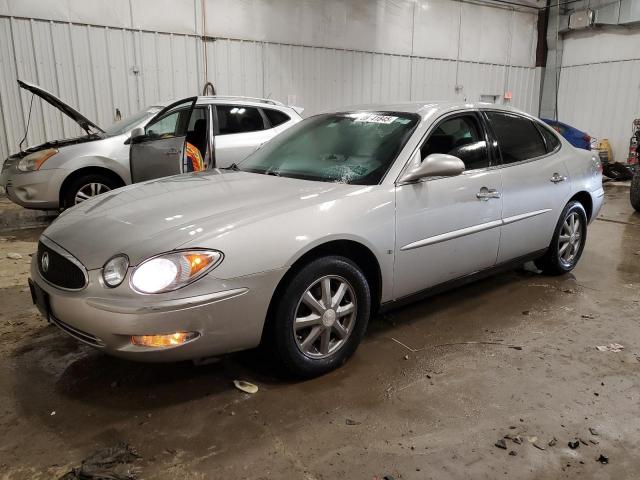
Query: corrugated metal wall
point(101, 69)
point(599, 88)
point(602, 99)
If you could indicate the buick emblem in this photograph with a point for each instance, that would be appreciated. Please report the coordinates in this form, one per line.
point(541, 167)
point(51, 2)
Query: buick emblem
point(44, 261)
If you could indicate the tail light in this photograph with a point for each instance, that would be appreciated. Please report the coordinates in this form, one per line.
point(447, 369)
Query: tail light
point(598, 163)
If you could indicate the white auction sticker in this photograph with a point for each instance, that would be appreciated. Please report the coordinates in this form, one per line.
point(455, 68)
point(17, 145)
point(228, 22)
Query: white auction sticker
point(373, 118)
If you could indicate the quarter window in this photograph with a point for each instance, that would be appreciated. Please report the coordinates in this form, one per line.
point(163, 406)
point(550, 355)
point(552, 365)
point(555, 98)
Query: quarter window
point(550, 138)
point(238, 119)
point(276, 117)
point(518, 138)
point(461, 137)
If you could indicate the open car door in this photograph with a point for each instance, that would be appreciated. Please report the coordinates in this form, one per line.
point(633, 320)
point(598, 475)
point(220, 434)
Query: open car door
point(160, 152)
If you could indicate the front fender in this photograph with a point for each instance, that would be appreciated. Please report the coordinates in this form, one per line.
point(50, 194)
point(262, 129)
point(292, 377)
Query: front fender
point(277, 241)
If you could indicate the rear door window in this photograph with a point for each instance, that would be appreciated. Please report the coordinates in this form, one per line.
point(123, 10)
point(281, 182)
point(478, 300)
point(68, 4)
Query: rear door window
point(238, 119)
point(276, 117)
point(462, 137)
point(518, 138)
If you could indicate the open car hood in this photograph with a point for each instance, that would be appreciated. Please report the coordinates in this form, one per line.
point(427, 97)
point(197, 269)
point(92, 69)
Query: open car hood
point(65, 108)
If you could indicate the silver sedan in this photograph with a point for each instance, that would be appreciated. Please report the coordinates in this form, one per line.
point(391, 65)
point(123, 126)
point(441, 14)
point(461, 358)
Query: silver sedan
point(300, 244)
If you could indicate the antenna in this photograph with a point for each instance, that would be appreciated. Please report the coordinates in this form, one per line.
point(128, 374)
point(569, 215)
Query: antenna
point(209, 87)
point(26, 131)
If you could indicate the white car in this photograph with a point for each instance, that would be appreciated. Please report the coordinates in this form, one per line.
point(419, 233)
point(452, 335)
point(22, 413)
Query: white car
point(61, 173)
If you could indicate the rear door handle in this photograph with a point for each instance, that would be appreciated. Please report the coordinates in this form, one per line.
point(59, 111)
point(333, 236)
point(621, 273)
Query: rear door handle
point(557, 178)
point(487, 193)
point(172, 151)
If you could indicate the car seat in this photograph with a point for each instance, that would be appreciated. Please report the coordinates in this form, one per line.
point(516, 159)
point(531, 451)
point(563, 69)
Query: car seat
point(198, 137)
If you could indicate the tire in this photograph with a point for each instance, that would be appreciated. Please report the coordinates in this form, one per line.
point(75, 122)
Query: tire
point(634, 192)
point(559, 258)
point(296, 349)
point(88, 186)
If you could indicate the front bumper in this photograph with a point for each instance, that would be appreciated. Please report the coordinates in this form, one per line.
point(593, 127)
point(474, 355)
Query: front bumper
point(39, 189)
point(228, 315)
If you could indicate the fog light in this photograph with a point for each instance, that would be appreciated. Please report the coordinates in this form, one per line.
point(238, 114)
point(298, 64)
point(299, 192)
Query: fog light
point(170, 340)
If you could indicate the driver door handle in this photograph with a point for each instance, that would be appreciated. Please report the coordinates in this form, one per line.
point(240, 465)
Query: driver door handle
point(557, 178)
point(172, 151)
point(487, 193)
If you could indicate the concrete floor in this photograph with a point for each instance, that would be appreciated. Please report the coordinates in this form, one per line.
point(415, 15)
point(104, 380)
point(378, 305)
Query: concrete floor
point(413, 403)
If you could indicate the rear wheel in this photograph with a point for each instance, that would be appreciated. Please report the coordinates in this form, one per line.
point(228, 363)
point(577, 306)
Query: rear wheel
point(321, 317)
point(567, 243)
point(86, 187)
point(634, 194)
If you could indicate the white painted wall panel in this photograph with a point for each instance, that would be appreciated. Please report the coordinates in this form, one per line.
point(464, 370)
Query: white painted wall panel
point(524, 38)
point(176, 16)
point(437, 27)
point(373, 25)
point(485, 34)
point(112, 12)
point(593, 46)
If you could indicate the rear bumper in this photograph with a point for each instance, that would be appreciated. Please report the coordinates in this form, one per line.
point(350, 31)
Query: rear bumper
point(228, 315)
point(597, 199)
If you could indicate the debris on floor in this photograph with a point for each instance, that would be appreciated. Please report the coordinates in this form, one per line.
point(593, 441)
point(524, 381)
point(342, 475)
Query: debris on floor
point(539, 446)
point(501, 444)
point(111, 463)
point(349, 421)
point(14, 256)
point(612, 347)
point(593, 431)
point(552, 442)
point(603, 460)
point(246, 386)
point(573, 445)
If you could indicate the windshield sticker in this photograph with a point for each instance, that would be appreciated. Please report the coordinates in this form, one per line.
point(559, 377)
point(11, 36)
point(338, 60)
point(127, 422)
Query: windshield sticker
point(373, 118)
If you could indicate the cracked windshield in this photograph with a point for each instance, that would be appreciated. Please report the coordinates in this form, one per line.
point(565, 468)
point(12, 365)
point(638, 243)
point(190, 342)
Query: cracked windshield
point(356, 148)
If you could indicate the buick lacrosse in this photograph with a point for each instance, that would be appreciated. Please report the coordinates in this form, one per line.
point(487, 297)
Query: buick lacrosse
point(300, 244)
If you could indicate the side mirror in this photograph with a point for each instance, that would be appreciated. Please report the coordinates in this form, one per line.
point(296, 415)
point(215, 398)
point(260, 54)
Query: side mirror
point(435, 165)
point(137, 133)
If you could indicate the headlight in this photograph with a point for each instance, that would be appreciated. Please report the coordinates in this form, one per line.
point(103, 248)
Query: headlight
point(34, 160)
point(173, 270)
point(115, 270)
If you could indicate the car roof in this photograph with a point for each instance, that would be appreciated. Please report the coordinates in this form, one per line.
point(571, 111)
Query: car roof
point(240, 100)
point(426, 108)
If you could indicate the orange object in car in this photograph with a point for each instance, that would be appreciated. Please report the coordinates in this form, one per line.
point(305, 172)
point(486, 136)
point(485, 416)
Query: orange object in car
point(192, 159)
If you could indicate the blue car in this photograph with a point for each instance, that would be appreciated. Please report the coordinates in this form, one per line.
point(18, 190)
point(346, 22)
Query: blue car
point(577, 138)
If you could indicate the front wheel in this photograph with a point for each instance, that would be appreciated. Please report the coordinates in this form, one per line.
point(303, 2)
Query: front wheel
point(321, 317)
point(567, 243)
point(86, 187)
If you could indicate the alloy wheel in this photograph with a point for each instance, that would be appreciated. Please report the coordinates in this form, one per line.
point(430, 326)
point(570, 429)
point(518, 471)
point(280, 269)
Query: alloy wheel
point(325, 317)
point(90, 190)
point(570, 239)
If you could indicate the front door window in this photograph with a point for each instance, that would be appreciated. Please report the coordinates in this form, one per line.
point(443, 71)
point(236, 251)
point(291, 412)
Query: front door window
point(461, 137)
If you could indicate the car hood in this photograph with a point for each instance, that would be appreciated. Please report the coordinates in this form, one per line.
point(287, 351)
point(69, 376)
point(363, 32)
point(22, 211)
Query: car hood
point(65, 108)
point(161, 215)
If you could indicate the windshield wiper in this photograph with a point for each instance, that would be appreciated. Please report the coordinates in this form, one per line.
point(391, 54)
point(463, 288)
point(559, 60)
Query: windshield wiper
point(234, 166)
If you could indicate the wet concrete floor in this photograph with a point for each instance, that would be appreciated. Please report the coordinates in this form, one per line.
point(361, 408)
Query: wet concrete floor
point(415, 402)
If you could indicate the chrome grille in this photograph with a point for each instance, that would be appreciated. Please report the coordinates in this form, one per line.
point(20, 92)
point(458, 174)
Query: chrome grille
point(59, 268)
